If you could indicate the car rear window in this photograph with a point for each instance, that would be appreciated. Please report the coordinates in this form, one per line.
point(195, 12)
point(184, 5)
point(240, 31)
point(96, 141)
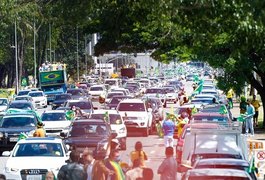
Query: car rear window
point(9, 122)
point(131, 107)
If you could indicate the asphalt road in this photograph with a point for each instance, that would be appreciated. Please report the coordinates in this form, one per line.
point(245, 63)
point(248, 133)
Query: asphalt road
point(152, 145)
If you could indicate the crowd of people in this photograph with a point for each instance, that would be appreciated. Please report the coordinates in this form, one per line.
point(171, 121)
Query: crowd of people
point(47, 66)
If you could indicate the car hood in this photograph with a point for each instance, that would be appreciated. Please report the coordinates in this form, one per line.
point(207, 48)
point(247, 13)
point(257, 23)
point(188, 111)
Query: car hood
point(34, 162)
point(89, 141)
point(56, 124)
point(133, 113)
point(38, 98)
point(16, 130)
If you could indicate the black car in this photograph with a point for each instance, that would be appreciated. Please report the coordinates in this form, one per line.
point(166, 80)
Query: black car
point(12, 125)
point(113, 103)
point(78, 93)
point(22, 104)
point(60, 99)
point(94, 134)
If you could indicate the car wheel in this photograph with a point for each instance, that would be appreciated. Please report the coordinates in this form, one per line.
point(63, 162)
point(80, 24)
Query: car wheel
point(146, 132)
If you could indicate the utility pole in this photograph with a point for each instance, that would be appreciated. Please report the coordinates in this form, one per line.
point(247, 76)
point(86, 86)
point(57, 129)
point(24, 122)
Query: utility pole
point(34, 52)
point(50, 32)
point(77, 61)
point(16, 58)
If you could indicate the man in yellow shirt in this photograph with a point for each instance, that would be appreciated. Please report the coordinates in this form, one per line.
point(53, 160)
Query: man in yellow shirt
point(256, 105)
point(229, 96)
point(40, 131)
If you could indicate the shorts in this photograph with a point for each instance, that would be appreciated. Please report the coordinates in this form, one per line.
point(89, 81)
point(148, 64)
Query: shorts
point(256, 114)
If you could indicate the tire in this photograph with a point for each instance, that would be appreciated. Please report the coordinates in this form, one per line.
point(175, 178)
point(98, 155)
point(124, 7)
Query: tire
point(145, 132)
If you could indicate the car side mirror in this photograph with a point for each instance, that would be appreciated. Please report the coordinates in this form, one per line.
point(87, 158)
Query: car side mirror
point(113, 135)
point(6, 153)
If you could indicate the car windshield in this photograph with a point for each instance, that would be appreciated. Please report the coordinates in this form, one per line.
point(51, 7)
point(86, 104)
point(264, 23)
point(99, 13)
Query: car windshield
point(157, 91)
point(110, 82)
point(81, 105)
point(112, 118)
point(21, 93)
point(96, 88)
point(36, 94)
point(116, 100)
point(88, 130)
point(131, 107)
point(62, 97)
point(53, 117)
point(22, 98)
point(20, 106)
point(17, 121)
point(3, 102)
point(53, 88)
point(110, 95)
point(75, 92)
point(38, 149)
point(208, 101)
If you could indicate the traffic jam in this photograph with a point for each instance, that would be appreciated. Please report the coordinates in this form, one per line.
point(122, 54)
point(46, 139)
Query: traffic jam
point(46, 124)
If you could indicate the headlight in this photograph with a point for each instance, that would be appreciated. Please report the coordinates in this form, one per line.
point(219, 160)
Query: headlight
point(9, 170)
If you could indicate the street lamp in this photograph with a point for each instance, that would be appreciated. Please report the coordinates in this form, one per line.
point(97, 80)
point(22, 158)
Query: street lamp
point(16, 58)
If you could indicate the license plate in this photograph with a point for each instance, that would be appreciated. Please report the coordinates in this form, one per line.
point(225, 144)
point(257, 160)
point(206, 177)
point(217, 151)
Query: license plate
point(13, 139)
point(34, 177)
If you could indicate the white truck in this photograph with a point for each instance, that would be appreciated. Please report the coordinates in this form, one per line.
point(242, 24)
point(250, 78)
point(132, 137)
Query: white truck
point(137, 116)
point(226, 141)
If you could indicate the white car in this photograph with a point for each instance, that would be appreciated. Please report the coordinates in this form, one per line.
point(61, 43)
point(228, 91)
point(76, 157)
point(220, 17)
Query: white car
point(136, 116)
point(116, 123)
point(31, 158)
point(39, 98)
point(97, 90)
point(55, 122)
point(111, 94)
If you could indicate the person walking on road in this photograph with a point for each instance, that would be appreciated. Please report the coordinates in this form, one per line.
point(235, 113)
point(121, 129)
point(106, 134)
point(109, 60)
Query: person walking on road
point(229, 97)
point(72, 170)
point(88, 161)
point(138, 153)
point(40, 131)
point(256, 105)
point(168, 127)
point(168, 168)
point(249, 118)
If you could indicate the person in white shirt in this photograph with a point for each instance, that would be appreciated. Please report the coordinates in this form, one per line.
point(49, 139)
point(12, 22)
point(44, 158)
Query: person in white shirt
point(88, 161)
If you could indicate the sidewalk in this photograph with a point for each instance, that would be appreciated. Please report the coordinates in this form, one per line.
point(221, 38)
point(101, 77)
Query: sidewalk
point(259, 132)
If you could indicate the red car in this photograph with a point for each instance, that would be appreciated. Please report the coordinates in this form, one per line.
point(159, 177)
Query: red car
point(186, 129)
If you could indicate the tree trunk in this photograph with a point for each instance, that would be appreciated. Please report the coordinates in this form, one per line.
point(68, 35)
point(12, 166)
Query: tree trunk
point(262, 95)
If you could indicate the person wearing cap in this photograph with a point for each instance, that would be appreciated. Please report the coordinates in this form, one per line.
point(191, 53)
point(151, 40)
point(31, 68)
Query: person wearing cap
point(88, 160)
point(40, 131)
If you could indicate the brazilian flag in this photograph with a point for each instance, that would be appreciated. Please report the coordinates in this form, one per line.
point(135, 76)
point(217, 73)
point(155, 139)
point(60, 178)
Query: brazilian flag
point(51, 76)
point(70, 115)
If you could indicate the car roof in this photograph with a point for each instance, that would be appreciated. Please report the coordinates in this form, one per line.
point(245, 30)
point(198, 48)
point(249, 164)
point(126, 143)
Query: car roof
point(98, 85)
point(103, 111)
point(78, 100)
point(18, 114)
point(217, 172)
point(54, 111)
point(132, 101)
point(40, 140)
point(21, 101)
point(222, 161)
point(25, 90)
point(31, 92)
point(85, 121)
